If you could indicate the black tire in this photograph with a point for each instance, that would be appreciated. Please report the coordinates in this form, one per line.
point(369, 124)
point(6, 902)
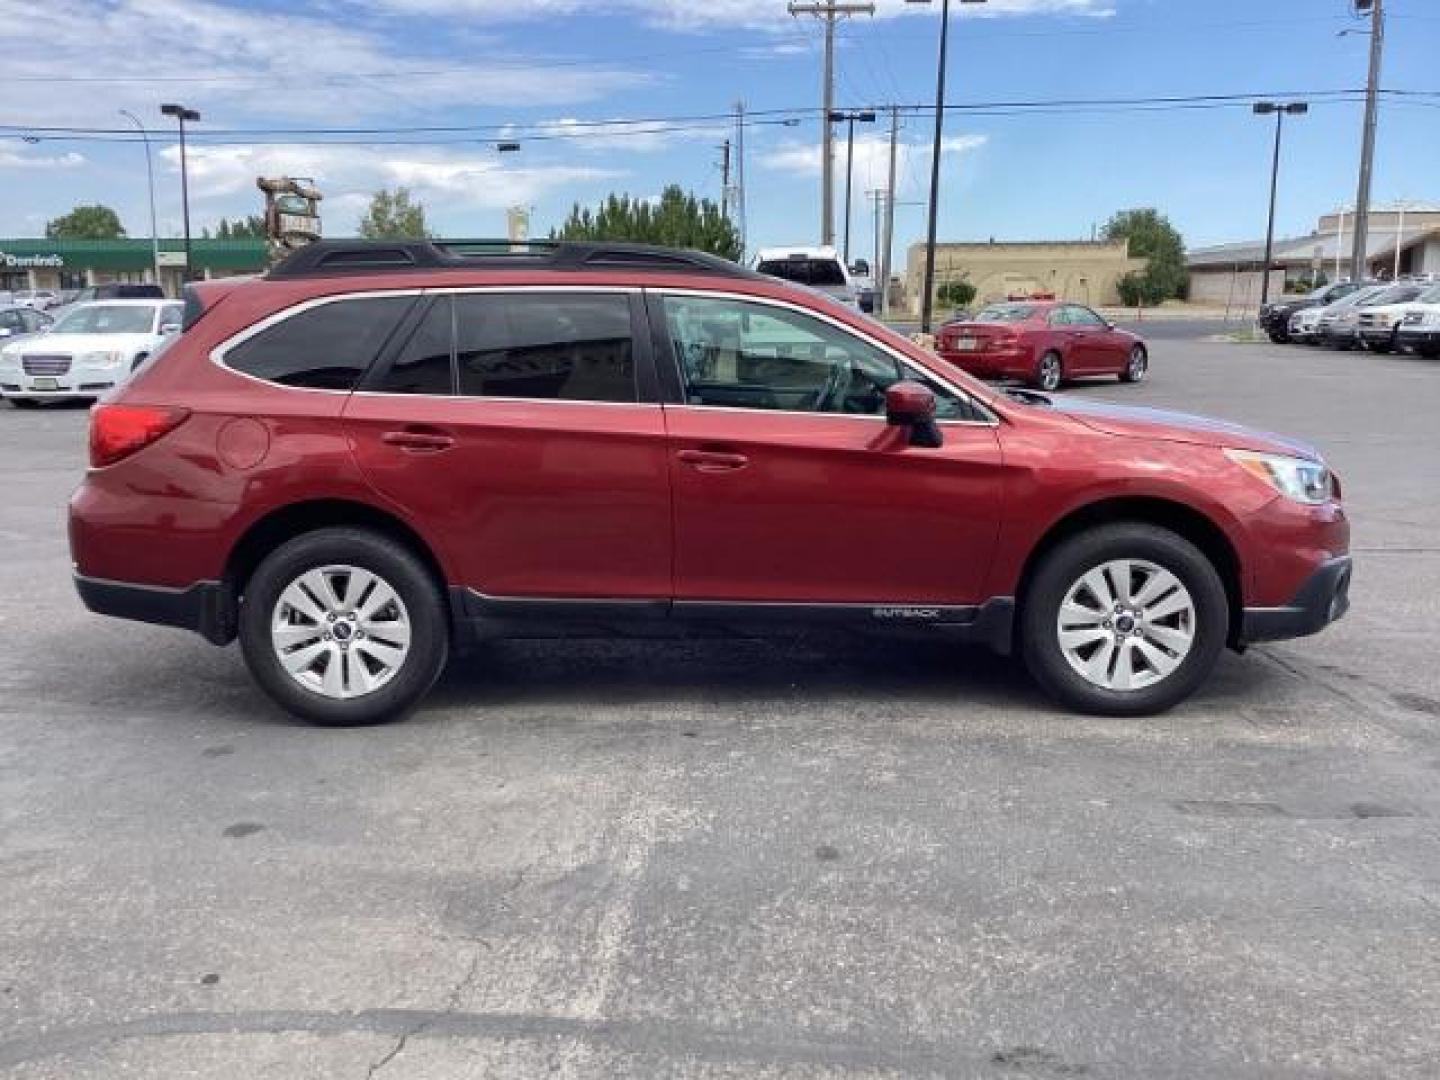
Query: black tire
point(1063, 566)
point(23, 403)
point(1049, 372)
point(1279, 338)
point(1136, 366)
point(398, 566)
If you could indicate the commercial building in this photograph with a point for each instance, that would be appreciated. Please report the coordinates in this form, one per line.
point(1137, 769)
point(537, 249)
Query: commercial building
point(1230, 274)
point(74, 264)
point(1085, 271)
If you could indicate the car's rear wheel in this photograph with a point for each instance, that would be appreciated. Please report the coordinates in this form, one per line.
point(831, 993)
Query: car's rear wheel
point(1123, 620)
point(344, 627)
point(1136, 365)
point(1050, 372)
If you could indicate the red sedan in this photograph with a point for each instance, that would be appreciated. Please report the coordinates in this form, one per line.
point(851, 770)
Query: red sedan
point(1043, 343)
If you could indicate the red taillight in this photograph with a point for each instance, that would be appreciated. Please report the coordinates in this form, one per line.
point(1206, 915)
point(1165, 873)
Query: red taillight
point(117, 431)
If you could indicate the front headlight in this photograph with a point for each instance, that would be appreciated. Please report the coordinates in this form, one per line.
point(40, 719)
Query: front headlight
point(1300, 479)
point(102, 359)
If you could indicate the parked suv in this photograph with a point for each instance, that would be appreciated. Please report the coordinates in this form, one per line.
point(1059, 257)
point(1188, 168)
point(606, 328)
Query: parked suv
point(1380, 325)
point(1275, 318)
point(378, 453)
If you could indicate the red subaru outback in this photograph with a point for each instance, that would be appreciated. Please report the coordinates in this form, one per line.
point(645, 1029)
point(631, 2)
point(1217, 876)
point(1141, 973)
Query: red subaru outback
point(379, 452)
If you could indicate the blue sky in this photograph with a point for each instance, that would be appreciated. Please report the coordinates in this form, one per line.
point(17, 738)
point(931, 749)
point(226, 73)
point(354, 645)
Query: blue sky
point(531, 69)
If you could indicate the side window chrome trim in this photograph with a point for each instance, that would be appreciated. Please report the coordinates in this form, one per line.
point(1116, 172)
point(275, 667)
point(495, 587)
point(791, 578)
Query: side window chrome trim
point(220, 351)
point(905, 362)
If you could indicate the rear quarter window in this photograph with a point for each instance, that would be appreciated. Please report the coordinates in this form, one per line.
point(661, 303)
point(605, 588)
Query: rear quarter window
point(326, 347)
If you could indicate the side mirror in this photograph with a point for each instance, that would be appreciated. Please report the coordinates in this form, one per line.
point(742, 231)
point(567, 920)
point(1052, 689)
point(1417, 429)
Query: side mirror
point(911, 405)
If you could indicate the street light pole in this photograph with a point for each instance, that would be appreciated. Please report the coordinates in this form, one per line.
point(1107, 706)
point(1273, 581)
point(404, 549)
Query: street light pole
point(150, 179)
point(182, 114)
point(1265, 108)
point(865, 116)
point(927, 299)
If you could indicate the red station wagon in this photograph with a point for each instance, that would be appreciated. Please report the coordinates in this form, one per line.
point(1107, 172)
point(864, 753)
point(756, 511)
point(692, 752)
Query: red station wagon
point(1043, 343)
point(379, 452)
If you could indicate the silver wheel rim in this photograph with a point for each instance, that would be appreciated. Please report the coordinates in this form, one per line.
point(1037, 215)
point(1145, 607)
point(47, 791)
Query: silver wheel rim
point(1137, 365)
point(1050, 373)
point(1126, 625)
point(340, 631)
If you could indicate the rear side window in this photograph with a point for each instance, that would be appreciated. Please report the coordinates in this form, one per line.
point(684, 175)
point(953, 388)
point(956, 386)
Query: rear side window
point(327, 347)
point(426, 364)
point(551, 346)
point(805, 271)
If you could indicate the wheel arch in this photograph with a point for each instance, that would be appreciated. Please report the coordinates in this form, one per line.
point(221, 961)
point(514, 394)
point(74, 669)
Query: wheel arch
point(283, 523)
point(1180, 518)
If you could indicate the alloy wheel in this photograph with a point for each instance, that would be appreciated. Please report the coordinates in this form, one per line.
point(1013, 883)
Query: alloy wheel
point(1136, 368)
point(1050, 372)
point(1126, 624)
point(340, 631)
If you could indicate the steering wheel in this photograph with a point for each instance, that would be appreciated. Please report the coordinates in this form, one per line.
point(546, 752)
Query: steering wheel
point(832, 395)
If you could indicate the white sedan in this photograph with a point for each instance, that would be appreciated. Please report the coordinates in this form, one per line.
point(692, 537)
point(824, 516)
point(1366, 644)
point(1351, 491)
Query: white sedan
point(88, 351)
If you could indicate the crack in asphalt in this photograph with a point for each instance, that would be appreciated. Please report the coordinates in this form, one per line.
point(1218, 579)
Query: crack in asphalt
point(452, 1007)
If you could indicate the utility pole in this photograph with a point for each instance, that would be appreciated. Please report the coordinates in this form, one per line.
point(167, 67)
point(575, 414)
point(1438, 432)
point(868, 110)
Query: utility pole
point(829, 11)
point(725, 179)
point(1367, 143)
point(865, 116)
point(889, 248)
point(738, 202)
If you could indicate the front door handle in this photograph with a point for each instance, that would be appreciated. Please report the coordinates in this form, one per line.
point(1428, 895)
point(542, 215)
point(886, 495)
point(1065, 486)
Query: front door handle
point(419, 440)
point(713, 460)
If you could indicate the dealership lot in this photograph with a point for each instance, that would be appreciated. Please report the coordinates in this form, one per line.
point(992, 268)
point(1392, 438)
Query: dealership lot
point(823, 857)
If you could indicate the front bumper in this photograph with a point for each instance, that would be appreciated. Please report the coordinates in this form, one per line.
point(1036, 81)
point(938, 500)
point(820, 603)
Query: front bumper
point(204, 607)
point(77, 382)
point(1339, 335)
point(1324, 598)
point(1378, 335)
point(1418, 339)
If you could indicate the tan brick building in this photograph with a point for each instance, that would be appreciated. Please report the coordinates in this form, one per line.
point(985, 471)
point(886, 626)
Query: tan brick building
point(1081, 270)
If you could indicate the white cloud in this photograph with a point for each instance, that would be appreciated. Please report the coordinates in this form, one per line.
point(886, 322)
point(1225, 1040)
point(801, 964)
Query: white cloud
point(252, 63)
point(449, 182)
point(614, 135)
point(709, 14)
point(13, 159)
point(872, 159)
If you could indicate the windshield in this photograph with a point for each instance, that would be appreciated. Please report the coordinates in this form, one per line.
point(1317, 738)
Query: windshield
point(1005, 313)
point(1396, 294)
point(107, 319)
point(804, 271)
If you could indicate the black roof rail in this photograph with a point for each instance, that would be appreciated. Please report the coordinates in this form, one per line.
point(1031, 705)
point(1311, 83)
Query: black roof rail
point(330, 258)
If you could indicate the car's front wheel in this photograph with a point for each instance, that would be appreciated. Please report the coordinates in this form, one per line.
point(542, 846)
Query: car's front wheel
point(344, 626)
point(1136, 365)
point(1123, 620)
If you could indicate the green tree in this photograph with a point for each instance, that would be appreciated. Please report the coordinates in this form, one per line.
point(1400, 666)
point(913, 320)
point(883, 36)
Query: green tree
point(86, 223)
point(1151, 237)
point(393, 215)
point(677, 219)
point(956, 294)
point(250, 227)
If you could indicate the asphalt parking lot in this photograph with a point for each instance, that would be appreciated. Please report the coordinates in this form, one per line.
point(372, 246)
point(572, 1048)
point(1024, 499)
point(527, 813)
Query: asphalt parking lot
point(817, 858)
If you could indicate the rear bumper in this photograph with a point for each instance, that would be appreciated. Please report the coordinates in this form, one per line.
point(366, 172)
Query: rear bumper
point(1013, 363)
point(204, 607)
point(1324, 598)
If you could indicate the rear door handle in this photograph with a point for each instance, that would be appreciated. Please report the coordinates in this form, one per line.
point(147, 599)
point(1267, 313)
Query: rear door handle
point(713, 460)
point(419, 441)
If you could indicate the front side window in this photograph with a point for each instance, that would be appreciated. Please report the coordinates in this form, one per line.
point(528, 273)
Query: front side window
point(327, 347)
point(1082, 316)
point(743, 355)
point(550, 346)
